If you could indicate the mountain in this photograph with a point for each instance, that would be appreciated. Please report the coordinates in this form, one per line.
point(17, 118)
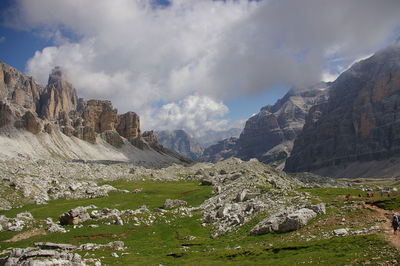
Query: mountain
point(181, 142)
point(213, 136)
point(224, 149)
point(269, 135)
point(357, 131)
point(51, 122)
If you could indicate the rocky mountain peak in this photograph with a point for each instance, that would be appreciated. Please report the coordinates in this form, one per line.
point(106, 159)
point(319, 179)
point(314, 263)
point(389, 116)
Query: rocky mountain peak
point(59, 95)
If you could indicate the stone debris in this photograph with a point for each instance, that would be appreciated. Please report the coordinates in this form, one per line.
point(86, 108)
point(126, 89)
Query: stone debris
point(47, 253)
point(171, 204)
point(42, 257)
point(17, 224)
point(116, 245)
point(341, 232)
point(347, 231)
point(53, 227)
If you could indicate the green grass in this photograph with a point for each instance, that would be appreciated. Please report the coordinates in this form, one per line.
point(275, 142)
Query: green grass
point(153, 196)
point(388, 204)
point(164, 244)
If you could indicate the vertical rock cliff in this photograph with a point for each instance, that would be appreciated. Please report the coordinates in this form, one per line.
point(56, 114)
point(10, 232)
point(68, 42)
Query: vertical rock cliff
point(359, 124)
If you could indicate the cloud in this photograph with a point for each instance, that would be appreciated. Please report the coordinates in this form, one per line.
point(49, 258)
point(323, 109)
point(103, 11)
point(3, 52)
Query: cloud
point(2, 39)
point(139, 54)
point(196, 114)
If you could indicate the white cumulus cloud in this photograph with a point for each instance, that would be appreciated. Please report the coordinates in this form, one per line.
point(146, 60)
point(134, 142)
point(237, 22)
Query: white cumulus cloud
point(201, 52)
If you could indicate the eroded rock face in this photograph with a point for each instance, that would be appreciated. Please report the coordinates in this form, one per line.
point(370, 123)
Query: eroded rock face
point(5, 114)
point(129, 125)
point(100, 115)
point(17, 88)
point(60, 95)
point(360, 121)
point(32, 123)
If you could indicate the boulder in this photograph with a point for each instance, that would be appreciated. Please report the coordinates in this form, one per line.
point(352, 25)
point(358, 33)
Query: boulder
point(284, 222)
point(75, 216)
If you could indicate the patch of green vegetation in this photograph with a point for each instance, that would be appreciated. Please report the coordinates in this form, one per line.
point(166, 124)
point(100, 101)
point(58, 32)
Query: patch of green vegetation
point(153, 196)
point(328, 194)
point(388, 204)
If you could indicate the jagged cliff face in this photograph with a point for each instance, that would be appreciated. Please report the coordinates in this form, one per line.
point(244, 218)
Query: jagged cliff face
point(269, 135)
point(17, 88)
point(359, 123)
point(181, 142)
point(56, 109)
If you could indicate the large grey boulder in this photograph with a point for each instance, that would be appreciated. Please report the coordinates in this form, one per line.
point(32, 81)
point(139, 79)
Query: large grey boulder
point(75, 216)
point(284, 222)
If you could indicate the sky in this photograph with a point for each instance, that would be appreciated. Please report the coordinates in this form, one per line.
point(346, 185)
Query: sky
point(197, 65)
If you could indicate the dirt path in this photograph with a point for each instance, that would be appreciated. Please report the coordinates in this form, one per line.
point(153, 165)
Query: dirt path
point(26, 235)
point(387, 225)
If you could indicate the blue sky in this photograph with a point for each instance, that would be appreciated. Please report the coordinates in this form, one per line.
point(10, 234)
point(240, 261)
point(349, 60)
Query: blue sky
point(185, 64)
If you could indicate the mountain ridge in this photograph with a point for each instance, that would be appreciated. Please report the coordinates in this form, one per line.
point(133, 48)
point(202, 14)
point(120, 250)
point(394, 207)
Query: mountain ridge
point(53, 122)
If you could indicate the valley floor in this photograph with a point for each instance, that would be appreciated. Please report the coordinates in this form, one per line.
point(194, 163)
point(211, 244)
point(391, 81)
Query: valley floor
point(179, 236)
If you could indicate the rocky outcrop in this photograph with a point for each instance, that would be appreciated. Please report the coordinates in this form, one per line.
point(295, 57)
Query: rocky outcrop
point(269, 135)
point(181, 142)
point(358, 124)
point(75, 216)
point(129, 125)
point(100, 115)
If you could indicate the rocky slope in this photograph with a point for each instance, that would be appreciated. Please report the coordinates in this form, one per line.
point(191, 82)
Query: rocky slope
point(181, 142)
point(357, 130)
point(269, 135)
point(48, 122)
